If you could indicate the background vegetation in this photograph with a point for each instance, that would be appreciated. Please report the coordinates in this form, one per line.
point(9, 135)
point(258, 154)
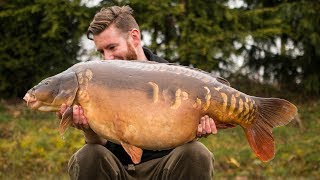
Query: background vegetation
point(264, 48)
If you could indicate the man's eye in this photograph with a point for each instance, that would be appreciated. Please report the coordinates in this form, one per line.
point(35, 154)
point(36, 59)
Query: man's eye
point(112, 47)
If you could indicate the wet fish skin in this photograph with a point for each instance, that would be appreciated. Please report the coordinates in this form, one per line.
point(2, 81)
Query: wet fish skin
point(158, 106)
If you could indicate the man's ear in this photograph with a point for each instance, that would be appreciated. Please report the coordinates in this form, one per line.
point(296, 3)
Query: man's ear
point(136, 36)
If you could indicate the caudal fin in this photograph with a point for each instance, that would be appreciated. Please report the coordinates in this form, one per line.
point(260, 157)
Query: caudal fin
point(272, 112)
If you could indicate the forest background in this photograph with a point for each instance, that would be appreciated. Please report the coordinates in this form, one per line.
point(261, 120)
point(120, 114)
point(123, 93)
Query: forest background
point(268, 48)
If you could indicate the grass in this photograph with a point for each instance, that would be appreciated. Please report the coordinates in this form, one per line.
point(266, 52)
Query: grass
point(32, 148)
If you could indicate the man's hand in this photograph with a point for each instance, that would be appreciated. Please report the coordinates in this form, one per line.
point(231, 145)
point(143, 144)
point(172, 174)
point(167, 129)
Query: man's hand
point(206, 127)
point(81, 122)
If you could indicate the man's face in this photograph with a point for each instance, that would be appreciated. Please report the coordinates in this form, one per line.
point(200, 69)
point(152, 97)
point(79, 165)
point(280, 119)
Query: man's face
point(113, 44)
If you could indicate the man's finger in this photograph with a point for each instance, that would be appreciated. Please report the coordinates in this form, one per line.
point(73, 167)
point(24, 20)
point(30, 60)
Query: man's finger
point(208, 129)
point(213, 126)
point(83, 119)
point(203, 124)
point(81, 116)
point(76, 115)
point(199, 132)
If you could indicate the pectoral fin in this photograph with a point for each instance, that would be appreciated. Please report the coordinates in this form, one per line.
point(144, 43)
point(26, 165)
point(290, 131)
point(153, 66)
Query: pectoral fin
point(66, 120)
point(134, 152)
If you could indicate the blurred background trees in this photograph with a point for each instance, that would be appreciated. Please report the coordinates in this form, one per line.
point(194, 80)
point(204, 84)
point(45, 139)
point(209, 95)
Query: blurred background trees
point(38, 38)
point(266, 42)
point(263, 47)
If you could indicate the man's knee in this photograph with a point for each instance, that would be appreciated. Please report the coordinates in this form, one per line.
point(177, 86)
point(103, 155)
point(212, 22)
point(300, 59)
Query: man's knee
point(88, 154)
point(88, 160)
point(191, 155)
point(190, 161)
point(195, 152)
point(85, 157)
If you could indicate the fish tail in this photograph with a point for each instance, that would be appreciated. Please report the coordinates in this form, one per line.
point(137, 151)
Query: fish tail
point(66, 120)
point(272, 112)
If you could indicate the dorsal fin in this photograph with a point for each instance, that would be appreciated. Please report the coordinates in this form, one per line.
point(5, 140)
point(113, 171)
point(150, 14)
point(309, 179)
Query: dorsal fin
point(223, 81)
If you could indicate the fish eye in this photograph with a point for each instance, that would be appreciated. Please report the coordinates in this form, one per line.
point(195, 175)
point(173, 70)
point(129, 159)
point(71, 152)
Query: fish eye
point(46, 83)
point(112, 48)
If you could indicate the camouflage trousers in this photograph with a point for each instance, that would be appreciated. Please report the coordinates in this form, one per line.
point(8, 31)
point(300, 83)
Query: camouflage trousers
point(190, 161)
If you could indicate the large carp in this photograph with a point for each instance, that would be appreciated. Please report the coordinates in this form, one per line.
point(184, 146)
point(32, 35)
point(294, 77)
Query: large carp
point(156, 106)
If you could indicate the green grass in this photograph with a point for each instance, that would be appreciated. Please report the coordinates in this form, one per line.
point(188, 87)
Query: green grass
point(32, 148)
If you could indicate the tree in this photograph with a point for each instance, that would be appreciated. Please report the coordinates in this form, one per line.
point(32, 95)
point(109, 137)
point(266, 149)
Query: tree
point(39, 38)
point(190, 32)
point(297, 61)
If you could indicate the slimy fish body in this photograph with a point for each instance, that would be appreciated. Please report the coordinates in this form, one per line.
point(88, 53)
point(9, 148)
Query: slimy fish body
point(146, 105)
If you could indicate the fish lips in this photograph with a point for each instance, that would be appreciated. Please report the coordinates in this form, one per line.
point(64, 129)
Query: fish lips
point(31, 100)
point(34, 103)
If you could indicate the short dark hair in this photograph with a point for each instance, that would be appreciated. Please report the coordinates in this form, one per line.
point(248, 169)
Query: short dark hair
point(121, 17)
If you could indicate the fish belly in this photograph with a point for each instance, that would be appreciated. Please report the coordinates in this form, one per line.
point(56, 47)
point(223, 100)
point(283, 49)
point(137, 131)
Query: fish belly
point(148, 108)
point(133, 117)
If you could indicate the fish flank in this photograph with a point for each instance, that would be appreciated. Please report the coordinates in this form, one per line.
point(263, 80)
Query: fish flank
point(155, 93)
point(197, 104)
point(185, 95)
point(218, 88)
point(177, 101)
point(240, 108)
point(232, 105)
point(208, 101)
point(225, 101)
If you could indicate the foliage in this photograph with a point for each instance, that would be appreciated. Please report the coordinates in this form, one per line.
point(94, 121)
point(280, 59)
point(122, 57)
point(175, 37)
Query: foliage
point(39, 38)
point(190, 32)
point(30, 144)
point(278, 40)
point(295, 62)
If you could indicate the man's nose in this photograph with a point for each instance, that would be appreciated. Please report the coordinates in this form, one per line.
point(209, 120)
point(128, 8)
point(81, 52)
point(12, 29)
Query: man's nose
point(108, 56)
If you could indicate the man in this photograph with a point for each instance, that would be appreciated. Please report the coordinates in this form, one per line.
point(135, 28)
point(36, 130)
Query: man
point(116, 36)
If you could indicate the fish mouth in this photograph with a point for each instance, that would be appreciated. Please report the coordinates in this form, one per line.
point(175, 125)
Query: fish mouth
point(32, 101)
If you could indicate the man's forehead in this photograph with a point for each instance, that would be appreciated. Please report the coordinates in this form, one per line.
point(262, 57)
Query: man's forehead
point(109, 35)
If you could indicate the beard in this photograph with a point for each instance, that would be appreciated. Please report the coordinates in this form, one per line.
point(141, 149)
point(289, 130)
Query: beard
point(131, 54)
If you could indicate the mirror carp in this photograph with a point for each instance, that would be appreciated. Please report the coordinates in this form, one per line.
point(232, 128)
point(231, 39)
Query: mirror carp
point(156, 106)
